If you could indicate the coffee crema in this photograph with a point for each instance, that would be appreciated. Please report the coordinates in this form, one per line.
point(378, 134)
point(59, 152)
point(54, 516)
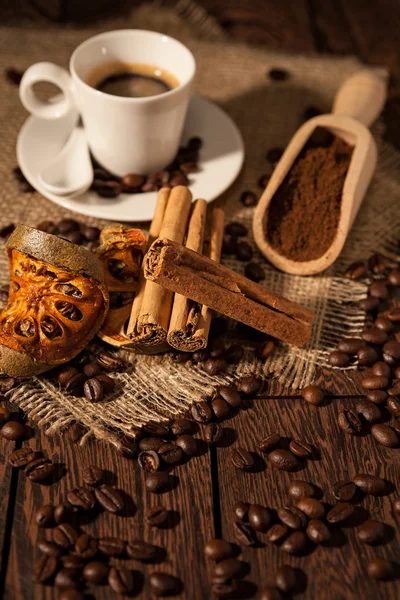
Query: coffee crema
point(132, 80)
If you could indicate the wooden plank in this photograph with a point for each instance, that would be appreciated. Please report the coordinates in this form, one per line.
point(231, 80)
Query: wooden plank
point(332, 572)
point(191, 499)
point(334, 382)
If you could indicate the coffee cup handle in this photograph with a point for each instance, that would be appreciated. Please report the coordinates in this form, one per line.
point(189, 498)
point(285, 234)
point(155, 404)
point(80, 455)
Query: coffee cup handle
point(51, 73)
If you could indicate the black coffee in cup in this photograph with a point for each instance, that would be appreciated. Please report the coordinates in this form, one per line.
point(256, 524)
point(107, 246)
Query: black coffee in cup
point(132, 80)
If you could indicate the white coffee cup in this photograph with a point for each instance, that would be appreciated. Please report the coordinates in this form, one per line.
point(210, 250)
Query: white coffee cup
point(125, 135)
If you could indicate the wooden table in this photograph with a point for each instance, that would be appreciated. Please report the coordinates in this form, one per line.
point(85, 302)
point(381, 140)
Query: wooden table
point(209, 485)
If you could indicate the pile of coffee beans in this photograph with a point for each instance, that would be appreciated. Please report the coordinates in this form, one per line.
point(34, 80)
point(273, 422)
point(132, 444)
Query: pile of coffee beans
point(233, 244)
point(73, 231)
point(107, 185)
point(288, 456)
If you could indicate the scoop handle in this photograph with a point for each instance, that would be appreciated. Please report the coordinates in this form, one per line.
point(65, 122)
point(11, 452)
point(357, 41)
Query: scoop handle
point(362, 96)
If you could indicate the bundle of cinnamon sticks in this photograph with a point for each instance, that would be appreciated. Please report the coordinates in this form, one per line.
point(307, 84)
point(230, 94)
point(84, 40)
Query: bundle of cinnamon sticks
point(181, 280)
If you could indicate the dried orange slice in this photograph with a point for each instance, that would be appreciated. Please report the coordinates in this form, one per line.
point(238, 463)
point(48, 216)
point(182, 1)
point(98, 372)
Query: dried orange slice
point(58, 301)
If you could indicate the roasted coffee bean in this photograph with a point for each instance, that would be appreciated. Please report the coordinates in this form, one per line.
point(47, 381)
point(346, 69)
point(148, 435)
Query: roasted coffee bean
point(47, 226)
point(301, 489)
point(156, 516)
point(86, 546)
point(396, 506)
point(13, 75)
point(213, 434)
point(274, 154)
point(220, 408)
point(393, 405)
point(265, 350)
point(81, 498)
point(109, 362)
point(241, 510)
point(93, 390)
point(370, 411)
point(45, 568)
point(380, 568)
point(96, 572)
point(74, 385)
point(180, 179)
point(385, 435)
point(107, 189)
point(189, 167)
point(7, 230)
point(278, 74)
point(47, 547)
point(249, 199)
point(120, 580)
point(132, 181)
point(254, 271)
point(200, 356)
point(377, 396)
point(150, 444)
point(349, 421)
point(301, 449)
point(292, 517)
point(237, 229)
point(91, 234)
point(219, 550)
point(216, 348)
point(75, 237)
point(228, 568)
point(68, 578)
point(201, 411)
point(391, 352)
point(65, 536)
point(13, 430)
point(259, 517)
point(277, 533)
point(394, 391)
point(181, 426)
point(377, 263)
point(314, 509)
point(396, 426)
point(318, 532)
point(234, 354)
point(367, 356)
point(170, 454)
point(371, 532)
point(373, 335)
point(381, 369)
point(44, 516)
point(283, 460)
point(109, 499)
point(350, 345)
point(244, 534)
point(244, 251)
point(158, 482)
point(269, 442)
point(66, 374)
point(340, 512)
point(369, 304)
point(356, 270)
point(107, 382)
point(4, 415)
point(313, 394)
point(249, 385)
point(394, 277)
point(285, 578)
point(149, 461)
point(64, 512)
point(241, 459)
point(189, 444)
point(70, 561)
point(393, 314)
point(214, 366)
point(295, 543)
point(230, 395)
point(22, 457)
point(223, 587)
point(378, 289)
point(143, 551)
point(6, 384)
point(229, 244)
point(40, 470)
point(375, 382)
point(111, 546)
point(67, 225)
point(163, 584)
point(269, 593)
point(385, 325)
point(339, 359)
point(181, 357)
point(370, 484)
point(92, 475)
point(344, 490)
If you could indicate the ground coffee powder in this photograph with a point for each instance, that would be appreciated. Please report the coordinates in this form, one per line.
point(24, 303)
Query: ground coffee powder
point(304, 213)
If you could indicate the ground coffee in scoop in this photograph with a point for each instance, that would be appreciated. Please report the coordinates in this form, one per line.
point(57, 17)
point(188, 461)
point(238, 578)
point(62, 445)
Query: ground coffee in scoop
point(304, 213)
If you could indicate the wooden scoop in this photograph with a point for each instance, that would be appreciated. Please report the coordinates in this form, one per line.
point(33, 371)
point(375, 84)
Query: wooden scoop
point(357, 104)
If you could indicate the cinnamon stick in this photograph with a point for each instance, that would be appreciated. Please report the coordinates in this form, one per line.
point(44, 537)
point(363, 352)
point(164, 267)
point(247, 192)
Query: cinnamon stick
point(203, 280)
point(151, 313)
point(190, 321)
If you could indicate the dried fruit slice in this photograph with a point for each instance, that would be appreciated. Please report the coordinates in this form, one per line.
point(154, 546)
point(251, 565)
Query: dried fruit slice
point(121, 252)
point(57, 302)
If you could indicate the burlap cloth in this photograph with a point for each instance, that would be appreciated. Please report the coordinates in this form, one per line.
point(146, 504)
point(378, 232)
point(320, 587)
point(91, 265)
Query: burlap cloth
point(267, 114)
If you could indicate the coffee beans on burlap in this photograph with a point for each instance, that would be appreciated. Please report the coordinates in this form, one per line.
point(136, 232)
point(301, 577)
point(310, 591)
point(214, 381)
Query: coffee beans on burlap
point(304, 213)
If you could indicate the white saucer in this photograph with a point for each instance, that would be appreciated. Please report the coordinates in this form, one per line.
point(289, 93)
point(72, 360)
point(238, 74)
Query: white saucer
point(221, 159)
